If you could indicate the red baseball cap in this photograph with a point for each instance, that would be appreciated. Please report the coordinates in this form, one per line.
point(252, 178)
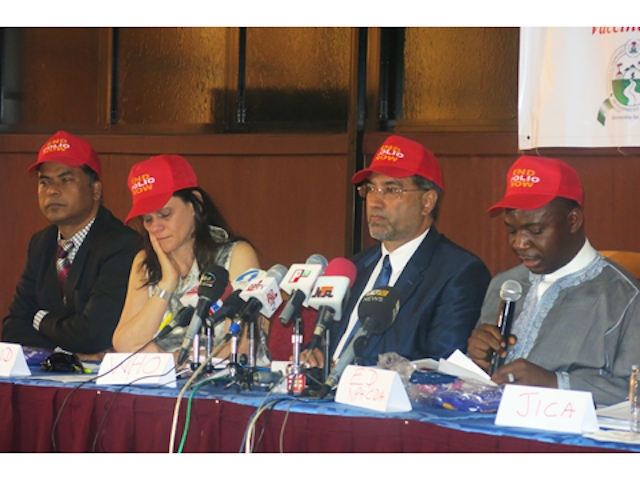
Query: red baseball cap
point(68, 150)
point(154, 181)
point(399, 157)
point(532, 182)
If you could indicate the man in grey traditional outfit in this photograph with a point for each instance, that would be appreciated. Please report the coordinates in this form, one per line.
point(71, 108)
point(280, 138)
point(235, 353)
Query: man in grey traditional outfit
point(577, 325)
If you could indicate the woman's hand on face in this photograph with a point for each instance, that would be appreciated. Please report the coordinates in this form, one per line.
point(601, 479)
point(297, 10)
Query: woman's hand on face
point(170, 271)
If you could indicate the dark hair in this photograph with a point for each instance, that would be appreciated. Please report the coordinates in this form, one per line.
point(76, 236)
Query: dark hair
point(90, 172)
point(205, 247)
point(565, 205)
point(424, 184)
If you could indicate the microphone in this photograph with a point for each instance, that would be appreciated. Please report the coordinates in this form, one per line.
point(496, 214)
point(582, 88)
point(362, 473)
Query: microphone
point(510, 293)
point(182, 319)
point(263, 293)
point(213, 283)
point(234, 303)
point(229, 309)
point(246, 277)
point(377, 312)
point(299, 282)
point(329, 294)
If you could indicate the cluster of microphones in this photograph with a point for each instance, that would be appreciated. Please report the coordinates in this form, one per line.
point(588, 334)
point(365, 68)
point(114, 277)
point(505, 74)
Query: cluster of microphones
point(321, 285)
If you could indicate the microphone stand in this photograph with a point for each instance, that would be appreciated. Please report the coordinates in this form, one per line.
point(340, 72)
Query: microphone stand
point(235, 369)
point(327, 360)
point(196, 352)
point(209, 345)
point(297, 380)
point(251, 335)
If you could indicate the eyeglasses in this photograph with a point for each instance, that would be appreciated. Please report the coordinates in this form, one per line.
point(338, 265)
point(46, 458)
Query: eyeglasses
point(386, 192)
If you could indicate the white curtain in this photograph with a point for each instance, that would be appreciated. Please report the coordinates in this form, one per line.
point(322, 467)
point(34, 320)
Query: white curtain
point(579, 87)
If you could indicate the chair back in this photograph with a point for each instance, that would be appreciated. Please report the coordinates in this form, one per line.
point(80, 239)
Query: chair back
point(630, 261)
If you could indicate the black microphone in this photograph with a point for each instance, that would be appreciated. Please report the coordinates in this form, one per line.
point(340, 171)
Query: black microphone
point(377, 312)
point(213, 283)
point(182, 319)
point(510, 293)
point(229, 309)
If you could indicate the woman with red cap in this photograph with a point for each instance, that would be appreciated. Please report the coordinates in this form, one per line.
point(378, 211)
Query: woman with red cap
point(183, 233)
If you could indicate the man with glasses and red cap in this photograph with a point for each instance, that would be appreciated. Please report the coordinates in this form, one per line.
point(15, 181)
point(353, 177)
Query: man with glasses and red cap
point(441, 285)
point(577, 324)
point(74, 283)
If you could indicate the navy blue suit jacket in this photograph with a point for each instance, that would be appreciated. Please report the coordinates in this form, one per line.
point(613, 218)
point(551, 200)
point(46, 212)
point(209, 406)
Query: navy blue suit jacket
point(95, 289)
point(441, 292)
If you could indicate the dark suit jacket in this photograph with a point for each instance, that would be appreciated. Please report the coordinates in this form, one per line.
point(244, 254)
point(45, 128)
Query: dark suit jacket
point(441, 291)
point(95, 289)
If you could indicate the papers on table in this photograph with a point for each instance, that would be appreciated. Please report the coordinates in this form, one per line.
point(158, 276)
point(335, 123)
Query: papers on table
point(615, 416)
point(458, 365)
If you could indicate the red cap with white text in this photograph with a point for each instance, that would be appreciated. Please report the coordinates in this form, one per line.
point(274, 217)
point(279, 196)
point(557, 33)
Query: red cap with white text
point(68, 150)
point(399, 157)
point(532, 182)
point(154, 181)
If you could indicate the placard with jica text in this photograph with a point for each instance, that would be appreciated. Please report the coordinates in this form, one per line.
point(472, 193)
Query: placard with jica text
point(372, 388)
point(139, 369)
point(569, 411)
point(12, 361)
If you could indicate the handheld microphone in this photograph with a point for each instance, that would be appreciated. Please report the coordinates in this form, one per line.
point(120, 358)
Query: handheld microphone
point(263, 294)
point(329, 294)
point(182, 319)
point(510, 293)
point(377, 312)
point(298, 283)
point(213, 283)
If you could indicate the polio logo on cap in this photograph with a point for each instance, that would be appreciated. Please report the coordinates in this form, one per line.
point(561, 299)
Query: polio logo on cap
point(389, 153)
point(55, 145)
point(142, 183)
point(523, 178)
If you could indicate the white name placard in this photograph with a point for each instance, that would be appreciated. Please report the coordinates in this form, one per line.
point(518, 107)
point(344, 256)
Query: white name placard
point(372, 388)
point(569, 411)
point(139, 369)
point(12, 361)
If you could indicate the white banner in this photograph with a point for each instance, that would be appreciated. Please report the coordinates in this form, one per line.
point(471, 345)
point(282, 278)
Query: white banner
point(579, 87)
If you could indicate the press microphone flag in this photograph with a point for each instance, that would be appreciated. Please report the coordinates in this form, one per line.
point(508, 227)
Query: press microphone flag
point(329, 294)
point(265, 289)
point(246, 278)
point(331, 289)
point(298, 283)
point(510, 293)
point(213, 283)
point(233, 303)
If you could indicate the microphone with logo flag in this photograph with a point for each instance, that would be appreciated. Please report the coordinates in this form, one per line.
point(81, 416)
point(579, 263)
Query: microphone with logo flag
point(298, 283)
point(330, 292)
point(376, 313)
point(213, 283)
point(262, 295)
point(510, 293)
point(233, 303)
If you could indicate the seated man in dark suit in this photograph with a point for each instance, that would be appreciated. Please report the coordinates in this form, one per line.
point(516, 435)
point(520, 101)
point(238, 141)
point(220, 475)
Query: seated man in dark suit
point(74, 283)
point(441, 285)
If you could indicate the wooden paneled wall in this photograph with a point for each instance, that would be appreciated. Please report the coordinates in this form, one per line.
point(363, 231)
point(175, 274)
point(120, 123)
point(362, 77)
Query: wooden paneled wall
point(290, 194)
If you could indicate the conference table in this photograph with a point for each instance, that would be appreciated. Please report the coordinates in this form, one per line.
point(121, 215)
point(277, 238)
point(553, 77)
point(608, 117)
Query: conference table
point(41, 413)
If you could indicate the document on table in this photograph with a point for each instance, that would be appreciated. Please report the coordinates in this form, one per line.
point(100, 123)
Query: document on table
point(614, 416)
